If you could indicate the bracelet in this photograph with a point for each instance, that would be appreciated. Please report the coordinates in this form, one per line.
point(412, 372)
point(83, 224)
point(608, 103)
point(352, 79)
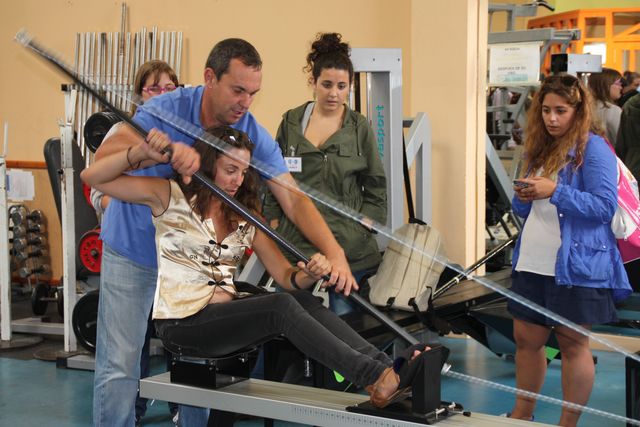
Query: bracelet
point(292, 279)
point(129, 161)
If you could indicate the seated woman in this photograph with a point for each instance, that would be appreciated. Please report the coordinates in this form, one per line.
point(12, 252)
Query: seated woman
point(200, 242)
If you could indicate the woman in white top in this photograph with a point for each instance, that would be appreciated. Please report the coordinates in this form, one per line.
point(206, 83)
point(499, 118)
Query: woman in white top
point(566, 259)
point(606, 88)
point(200, 241)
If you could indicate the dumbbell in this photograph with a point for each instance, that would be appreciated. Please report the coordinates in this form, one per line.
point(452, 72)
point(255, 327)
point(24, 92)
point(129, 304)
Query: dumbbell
point(41, 295)
point(18, 216)
point(21, 230)
point(25, 272)
point(22, 242)
point(23, 256)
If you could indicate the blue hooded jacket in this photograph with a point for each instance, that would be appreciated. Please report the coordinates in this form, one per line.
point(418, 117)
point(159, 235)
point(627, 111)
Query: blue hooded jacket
point(586, 200)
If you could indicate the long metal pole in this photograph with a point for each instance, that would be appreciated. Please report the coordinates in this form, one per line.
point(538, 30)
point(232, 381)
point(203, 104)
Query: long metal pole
point(5, 271)
point(233, 203)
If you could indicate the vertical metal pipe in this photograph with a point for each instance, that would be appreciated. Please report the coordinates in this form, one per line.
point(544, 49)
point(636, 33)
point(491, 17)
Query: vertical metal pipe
point(166, 47)
point(143, 40)
point(109, 77)
point(121, 48)
point(99, 63)
point(81, 75)
point(172, 50)
point(125, 87)
point(154, 44)
point(119, 70)
point(150, 46)
point(161, 50)
point(76, 54)
point(123, 18)
point(89, 102)
point(136, 49)
point(179, 56)
point(5, 270)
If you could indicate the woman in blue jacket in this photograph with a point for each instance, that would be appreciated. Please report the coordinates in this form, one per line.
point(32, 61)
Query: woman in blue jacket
point(566, 258)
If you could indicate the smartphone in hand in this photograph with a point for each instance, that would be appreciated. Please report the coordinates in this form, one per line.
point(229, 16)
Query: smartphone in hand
point(520, 184)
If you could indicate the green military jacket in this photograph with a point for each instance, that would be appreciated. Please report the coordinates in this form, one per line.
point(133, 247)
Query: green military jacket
point(628, 141)
point(347, 168)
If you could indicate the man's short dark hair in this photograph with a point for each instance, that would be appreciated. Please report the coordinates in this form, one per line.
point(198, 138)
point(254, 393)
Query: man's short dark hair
point(226, 50)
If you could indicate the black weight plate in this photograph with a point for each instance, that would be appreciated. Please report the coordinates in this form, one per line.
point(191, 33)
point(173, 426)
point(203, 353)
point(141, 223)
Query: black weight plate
point(84, 320)
point(40, 291)
point(59, 299)
point(96, 128)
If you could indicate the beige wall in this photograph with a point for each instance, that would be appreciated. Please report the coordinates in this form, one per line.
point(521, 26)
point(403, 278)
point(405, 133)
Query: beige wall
point(440, 49)
point(446, 84)
point(280, 29)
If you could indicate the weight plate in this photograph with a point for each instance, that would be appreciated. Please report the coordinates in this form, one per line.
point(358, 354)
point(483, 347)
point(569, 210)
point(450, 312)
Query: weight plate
point(90, 251)
point(84, 320)
point(96, 128)
point(59, 299)
point(38, 293)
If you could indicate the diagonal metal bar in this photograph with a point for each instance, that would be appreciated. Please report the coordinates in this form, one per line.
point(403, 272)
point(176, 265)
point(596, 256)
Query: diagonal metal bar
point(27, 41)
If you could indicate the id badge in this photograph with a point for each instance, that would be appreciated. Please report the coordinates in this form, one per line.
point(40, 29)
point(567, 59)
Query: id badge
point(294, 164)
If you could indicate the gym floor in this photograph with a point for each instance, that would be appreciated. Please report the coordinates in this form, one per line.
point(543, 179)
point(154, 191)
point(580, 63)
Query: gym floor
point(36, 393)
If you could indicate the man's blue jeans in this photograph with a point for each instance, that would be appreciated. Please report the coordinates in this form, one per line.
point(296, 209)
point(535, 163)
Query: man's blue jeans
point(126, 297)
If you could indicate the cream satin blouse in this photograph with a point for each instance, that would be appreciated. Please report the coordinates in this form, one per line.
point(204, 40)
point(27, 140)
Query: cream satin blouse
point(191, 262)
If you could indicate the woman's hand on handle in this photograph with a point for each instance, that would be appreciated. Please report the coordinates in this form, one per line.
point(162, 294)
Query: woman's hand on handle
point(317, 266)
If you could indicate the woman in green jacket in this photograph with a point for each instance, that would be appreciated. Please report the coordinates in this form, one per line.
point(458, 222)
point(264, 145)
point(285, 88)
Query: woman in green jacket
point(333, 149)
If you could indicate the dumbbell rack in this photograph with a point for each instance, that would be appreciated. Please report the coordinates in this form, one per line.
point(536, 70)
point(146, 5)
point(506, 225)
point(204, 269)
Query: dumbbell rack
point(28, 253)
point(8, 340)
point(27, 242)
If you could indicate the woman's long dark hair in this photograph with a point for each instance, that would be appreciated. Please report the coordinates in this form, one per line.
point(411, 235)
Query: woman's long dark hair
point(200, 196)
point(541, 150)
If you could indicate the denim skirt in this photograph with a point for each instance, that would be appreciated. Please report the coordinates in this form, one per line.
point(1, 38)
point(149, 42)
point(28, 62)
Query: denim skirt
point(581, 305)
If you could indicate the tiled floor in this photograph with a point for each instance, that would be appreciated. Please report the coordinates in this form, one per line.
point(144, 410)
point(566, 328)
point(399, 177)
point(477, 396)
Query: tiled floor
point(36, 393)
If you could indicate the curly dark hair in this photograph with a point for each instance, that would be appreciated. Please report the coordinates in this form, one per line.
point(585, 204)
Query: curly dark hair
point(200, 196)
point(328, 51)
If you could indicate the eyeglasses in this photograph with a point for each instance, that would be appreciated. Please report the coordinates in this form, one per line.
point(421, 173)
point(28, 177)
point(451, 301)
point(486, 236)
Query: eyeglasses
point(157, 90)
